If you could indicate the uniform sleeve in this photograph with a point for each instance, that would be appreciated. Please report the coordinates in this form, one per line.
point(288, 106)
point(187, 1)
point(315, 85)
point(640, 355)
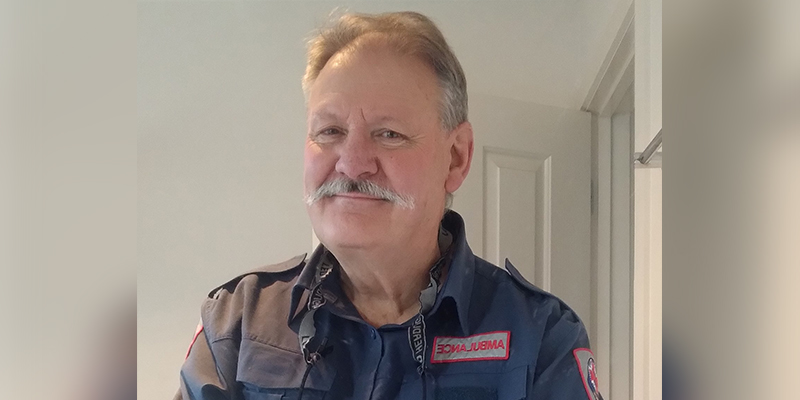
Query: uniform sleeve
point(559, 373)
point(209, 372)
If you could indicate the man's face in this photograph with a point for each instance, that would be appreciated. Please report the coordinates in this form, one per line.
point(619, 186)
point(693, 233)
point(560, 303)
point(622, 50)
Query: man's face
point(373, 115)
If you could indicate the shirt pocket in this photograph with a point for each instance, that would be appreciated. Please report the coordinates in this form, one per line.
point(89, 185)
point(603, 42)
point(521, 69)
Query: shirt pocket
point(509, 385)
point(270, 373)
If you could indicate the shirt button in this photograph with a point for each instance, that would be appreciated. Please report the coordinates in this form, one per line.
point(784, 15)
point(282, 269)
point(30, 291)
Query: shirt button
point(373, 333)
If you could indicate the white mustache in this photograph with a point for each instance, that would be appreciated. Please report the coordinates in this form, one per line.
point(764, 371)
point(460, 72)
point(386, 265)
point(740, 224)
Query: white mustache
point(344, 185)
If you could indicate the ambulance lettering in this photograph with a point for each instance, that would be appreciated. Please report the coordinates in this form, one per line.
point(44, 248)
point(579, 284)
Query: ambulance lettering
point(484, 346)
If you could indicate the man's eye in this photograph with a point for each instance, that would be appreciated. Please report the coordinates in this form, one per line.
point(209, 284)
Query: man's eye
point(387, 134)
point(330, 132)
point(326, 135)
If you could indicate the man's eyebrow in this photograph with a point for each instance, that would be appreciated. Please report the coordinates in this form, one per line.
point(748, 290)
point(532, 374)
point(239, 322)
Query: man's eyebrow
point(324, 114)
point(330, 115)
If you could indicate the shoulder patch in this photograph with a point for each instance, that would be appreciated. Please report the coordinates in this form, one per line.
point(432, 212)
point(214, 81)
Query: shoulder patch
point(267, 269)
point(194, 339)
point(586, 367)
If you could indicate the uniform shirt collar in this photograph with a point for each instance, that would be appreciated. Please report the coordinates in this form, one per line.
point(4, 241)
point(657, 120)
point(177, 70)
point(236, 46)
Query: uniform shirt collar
point(457, 286)
point(330, 288)
point(460, 273)
point(305, 281)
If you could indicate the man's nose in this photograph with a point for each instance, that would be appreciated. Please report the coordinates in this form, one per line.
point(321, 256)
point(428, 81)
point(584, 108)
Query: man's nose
point(357, 156)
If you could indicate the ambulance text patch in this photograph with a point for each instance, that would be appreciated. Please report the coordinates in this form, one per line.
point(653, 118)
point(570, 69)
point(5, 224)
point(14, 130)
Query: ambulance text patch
point(484, 346)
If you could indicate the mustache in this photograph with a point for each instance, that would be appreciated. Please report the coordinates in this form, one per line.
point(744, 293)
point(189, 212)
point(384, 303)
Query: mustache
point(345, 185)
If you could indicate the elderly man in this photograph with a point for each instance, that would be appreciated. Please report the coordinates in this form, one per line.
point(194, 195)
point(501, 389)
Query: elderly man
point(393, 304)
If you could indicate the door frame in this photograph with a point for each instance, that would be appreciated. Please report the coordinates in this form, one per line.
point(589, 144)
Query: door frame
point(611, 328)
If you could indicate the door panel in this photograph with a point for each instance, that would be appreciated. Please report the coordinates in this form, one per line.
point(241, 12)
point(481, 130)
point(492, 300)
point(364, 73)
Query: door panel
point(517, 210)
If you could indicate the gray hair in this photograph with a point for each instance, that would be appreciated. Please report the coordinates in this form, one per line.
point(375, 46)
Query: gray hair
point(345, 185)
point(410, 33)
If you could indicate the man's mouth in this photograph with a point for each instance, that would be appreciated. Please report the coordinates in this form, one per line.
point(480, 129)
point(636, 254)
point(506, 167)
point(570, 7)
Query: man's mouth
point(358, 195)
point(358, 190)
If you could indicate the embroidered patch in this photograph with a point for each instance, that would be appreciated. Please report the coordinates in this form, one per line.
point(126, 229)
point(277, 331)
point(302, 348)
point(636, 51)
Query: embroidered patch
point(484, 346)
point(586, 367)
point(194, 339)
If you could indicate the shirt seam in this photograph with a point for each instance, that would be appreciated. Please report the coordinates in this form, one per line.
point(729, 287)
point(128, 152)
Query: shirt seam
point(254, 339)
point(559, 345)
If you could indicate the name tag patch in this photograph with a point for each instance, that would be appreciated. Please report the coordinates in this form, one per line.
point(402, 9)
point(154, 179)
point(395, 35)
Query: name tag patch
point(484, 346)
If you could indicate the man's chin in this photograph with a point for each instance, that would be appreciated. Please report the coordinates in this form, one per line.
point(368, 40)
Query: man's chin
point(353, 230)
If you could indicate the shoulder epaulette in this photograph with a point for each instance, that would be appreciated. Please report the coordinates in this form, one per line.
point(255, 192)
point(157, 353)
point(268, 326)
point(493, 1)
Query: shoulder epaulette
point(514, 272)
point(517, 276)
point(278, 268)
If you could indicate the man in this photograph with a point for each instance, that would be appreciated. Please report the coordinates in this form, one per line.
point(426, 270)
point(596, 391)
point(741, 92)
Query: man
point(393, 304)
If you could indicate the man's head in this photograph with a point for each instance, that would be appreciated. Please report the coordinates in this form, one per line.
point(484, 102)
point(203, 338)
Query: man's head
point(410, 34)
point(388, 137)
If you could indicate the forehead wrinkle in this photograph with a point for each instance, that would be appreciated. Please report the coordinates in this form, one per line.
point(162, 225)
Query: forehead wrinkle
point(374, 119)
point(329, 112)
point(367, 118)
point(328, 108)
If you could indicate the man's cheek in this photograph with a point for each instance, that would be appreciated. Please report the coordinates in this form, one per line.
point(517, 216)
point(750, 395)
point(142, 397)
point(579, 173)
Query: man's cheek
point(316, 167)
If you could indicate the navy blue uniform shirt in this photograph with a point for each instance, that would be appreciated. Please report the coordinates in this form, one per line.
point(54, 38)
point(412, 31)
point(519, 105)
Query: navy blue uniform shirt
point(489, 335)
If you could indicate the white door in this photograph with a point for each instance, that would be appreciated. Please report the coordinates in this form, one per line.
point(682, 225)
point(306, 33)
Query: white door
point(527, 196)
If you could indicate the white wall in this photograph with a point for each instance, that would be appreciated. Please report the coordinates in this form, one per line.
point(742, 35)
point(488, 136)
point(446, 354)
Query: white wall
point(218, 105)
point(221, 130)
point(648, 71)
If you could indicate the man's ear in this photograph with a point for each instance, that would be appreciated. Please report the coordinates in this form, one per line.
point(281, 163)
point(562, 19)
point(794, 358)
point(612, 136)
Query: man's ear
point(461, 146)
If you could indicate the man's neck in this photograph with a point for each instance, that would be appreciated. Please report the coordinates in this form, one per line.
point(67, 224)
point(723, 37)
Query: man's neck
point(384, 286)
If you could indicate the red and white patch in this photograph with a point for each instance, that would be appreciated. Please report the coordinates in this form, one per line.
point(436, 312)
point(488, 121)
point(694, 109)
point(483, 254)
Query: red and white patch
point(586, 367)
point(484, 346)
point(194, 339)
